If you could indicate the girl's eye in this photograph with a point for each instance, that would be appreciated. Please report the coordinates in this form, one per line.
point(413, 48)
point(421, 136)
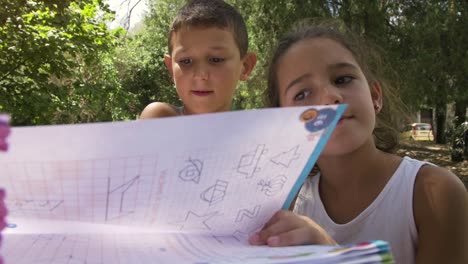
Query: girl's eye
point(343, 80)
point(301, 95)
point(185, 61)
point(216, 60)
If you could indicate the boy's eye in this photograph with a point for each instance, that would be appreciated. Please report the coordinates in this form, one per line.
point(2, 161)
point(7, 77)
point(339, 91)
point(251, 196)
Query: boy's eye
point(301, 95)
point(185, 61)
point(343, 80)
point(216, 60)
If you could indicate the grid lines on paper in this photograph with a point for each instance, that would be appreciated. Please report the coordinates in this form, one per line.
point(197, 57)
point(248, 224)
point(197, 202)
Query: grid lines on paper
point(114, 190)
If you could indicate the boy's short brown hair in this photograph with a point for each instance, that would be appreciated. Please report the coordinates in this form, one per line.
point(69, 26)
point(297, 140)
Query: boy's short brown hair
point(211, 13)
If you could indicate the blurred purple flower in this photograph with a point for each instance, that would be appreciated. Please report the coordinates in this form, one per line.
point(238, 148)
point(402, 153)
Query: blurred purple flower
point(4, 132)
point(3, 213)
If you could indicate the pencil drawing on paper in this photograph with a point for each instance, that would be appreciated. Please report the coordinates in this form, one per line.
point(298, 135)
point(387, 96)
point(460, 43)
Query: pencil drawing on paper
point(240, 235)
point(215, 193)
point(15, 206)
point(116, 204)
point(286, 158)
point(243, 235)
point(192, 171)
point(271, 187)
point(245, 213)
point(249, 162)
point(194, 221)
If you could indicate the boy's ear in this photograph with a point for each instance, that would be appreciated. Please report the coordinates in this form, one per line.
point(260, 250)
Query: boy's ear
point(248, 63)
point(377, 96)
point(168, 62)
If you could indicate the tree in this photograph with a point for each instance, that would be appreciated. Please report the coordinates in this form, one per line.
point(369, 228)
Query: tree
point(433, 40)
point(140, 61)
point(54, 62)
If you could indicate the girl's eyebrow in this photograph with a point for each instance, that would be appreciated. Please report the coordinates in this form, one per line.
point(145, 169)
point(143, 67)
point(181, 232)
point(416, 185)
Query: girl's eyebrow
point(343, 65)
point(298, 80)
point(335, 66)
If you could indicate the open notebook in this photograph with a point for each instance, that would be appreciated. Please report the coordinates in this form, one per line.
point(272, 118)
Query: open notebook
point(189, 189)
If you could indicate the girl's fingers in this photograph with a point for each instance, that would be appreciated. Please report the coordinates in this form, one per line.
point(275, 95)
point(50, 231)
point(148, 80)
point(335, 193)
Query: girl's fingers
point(288, 229)
point(285, 222)
point(291, 238)
point(255, 240)
point(275, 218)
point(300, 236)
point(272, 227)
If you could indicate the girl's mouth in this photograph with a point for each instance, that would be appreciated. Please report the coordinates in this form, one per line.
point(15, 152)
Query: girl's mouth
point(344, 118)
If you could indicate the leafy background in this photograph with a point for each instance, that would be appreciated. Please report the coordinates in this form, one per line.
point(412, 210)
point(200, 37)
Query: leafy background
point(60, 63)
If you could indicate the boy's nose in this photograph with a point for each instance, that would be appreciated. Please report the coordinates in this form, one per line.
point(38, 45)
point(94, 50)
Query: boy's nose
point(201, 72)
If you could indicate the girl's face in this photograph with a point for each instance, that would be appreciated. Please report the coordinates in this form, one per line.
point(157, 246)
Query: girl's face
point(320, 71)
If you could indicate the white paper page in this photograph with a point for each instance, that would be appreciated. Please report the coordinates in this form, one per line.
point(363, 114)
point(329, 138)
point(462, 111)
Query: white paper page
point(103, 193)
point(216, 173)
point(44, 241)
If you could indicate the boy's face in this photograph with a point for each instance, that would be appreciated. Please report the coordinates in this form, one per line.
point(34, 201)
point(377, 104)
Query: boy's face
point(205, 65)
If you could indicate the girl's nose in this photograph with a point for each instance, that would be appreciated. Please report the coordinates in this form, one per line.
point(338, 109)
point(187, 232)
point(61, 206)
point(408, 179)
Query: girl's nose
point(331, 95)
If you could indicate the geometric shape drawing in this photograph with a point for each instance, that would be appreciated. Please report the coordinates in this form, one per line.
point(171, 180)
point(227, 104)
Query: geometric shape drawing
point(240, 235)
point(194, 221)
point(117, 195)
point(243, 235)
point(192, 171)
point(246, 213)
point(285, 158)
point(215, 193)
point(273, 186)
point(248, 163)
point(15, 206)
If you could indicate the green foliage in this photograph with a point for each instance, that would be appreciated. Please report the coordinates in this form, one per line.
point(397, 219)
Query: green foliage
point(458, 139)
point(59, 63)
point(433, 51)
point(410, 35)
point(142, 71)
point(267, 21)
point(54, 60)
point(140, 60)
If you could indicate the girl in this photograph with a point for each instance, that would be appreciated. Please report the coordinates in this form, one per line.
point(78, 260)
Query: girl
point(362, 191)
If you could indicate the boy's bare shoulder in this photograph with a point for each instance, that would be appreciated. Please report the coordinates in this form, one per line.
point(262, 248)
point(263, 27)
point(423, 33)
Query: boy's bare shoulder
point(158, 109)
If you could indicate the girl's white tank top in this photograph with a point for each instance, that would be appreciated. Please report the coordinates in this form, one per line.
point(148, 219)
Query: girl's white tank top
point(389, 217)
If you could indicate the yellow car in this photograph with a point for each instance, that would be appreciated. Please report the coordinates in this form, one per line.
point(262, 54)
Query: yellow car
point(418, 131)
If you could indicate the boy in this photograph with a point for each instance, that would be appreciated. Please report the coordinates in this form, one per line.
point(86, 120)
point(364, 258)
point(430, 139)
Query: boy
point(208, 55)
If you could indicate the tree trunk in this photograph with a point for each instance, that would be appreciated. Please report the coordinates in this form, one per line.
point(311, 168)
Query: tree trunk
point(441, 116)
point(460, 111)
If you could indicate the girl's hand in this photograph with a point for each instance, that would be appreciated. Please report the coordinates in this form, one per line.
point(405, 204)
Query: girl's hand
point(286, 228)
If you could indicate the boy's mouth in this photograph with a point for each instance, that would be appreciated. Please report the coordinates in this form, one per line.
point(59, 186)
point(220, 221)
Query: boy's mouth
point(202, 93)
